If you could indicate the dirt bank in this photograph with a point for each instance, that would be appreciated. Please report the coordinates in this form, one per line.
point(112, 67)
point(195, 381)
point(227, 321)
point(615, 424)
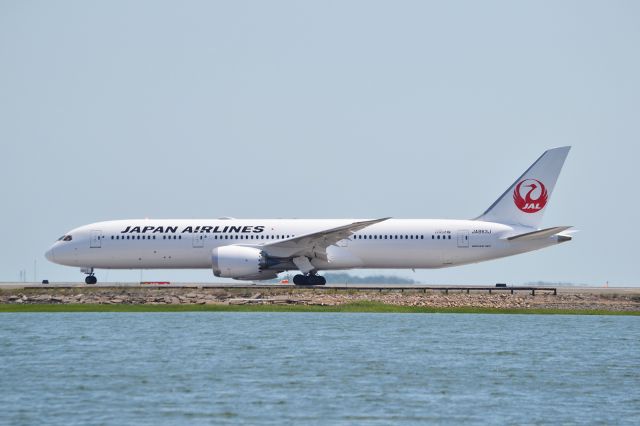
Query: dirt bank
point(437, 299)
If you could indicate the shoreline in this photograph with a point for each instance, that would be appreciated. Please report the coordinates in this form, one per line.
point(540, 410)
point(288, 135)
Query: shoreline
point(361, 307)
point(294, 299)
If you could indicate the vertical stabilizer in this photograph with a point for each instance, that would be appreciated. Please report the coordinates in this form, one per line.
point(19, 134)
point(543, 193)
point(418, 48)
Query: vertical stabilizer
point(525, 201)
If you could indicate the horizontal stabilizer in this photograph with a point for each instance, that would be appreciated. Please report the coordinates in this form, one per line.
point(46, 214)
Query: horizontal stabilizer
point(535, 235)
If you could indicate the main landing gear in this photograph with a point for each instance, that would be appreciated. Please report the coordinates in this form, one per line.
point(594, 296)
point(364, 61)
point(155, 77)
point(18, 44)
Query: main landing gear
point(309, 279)
point(91, 278)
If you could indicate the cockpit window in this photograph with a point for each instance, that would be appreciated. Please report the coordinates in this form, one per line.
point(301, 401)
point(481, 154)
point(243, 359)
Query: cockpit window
point(65, 238)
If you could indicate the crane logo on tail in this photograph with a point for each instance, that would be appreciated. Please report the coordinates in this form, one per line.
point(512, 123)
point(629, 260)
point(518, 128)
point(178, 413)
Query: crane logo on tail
point(530, 195)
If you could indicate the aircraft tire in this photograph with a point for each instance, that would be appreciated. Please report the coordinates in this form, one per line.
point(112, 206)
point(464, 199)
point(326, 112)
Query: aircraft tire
point(309, 280)
point(300, 280)
point(317, 280)
point(90, 279)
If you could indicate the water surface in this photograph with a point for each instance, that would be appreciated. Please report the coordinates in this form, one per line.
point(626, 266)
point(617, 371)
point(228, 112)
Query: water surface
point(318, 368)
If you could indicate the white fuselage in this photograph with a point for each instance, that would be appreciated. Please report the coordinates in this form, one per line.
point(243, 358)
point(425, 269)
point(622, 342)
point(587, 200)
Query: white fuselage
point(261, 248)
point(394, 243)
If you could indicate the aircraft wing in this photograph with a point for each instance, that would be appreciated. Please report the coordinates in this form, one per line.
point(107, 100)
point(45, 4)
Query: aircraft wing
point(543, 233)
point(314, 245)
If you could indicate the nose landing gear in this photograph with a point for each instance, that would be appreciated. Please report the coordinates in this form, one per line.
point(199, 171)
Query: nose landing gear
point(91, 278)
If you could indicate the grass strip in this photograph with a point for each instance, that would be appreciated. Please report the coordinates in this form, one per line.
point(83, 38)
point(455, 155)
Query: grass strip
point(358, 307)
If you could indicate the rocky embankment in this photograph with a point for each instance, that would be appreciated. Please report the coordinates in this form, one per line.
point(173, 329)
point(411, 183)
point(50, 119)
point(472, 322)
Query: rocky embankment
point(157, 296)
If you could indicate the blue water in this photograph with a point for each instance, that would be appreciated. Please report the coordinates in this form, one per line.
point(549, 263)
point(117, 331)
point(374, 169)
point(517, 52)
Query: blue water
point(308, 368)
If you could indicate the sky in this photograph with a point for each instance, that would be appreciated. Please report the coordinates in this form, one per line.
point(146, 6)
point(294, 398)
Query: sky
point(332, 109)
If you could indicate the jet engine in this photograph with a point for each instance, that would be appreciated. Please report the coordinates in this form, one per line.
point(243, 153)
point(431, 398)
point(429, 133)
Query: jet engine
point(237, 261)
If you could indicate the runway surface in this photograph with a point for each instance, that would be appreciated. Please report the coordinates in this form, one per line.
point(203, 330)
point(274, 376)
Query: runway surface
point(336, 286)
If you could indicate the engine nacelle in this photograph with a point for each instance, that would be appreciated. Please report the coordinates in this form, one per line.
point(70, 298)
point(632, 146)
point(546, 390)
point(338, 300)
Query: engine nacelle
point(237, 262)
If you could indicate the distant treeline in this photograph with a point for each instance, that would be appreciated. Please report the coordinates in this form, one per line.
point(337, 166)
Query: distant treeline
point(558, 284)
point(338, 278)
point(344, 278)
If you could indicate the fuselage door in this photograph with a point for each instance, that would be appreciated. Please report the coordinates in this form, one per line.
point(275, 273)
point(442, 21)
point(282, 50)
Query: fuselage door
point(96, 239)
point(463, 239)
point(198, 240)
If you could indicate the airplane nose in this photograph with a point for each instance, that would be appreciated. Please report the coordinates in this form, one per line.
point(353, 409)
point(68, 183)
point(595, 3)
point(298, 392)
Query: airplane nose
point(50, 255)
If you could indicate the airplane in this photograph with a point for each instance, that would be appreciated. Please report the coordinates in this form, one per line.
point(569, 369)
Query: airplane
point(260, 249)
